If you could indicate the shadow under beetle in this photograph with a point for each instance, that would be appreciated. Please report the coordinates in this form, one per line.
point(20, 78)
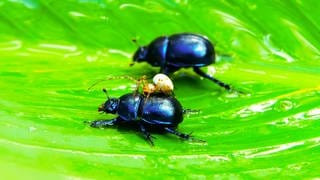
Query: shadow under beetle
point(184, 50)
point(158, 112)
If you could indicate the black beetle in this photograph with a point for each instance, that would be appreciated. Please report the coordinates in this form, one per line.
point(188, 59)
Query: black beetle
point(179, 51)
point(158, 112)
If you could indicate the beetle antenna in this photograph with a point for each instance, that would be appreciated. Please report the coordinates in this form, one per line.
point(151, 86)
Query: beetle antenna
point(106, 92)
point(135, 41)
point(132, 63)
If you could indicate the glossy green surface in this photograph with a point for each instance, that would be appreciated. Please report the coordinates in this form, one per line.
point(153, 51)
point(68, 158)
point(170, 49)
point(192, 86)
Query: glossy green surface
point(52, 51)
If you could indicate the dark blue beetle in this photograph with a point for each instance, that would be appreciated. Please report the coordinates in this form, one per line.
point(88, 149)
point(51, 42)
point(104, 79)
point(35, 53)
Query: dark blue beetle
point(157, 112)
point(185, 50)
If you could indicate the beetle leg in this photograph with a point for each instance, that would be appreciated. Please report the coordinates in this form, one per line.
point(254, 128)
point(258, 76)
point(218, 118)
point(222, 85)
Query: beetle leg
point(182, 135)
point(146, 134)
point(177, 133)
point(104, 123)
point(168, 69)
point(203, 74)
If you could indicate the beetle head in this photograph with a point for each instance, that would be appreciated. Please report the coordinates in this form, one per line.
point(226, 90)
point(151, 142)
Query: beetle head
point(110, 106)
point(140, 54)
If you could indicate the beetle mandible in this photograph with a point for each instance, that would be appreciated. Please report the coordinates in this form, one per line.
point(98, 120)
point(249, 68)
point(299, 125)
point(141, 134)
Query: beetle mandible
point(183, 50)
point(158, 111)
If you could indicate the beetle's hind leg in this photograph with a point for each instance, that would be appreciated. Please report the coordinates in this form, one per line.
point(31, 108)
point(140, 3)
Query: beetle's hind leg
point(203, 74)
point(182, 135)
point(177, 133)
point(103, 123)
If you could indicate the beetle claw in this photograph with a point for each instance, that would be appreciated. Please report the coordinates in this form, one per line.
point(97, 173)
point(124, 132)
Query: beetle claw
point(239, 92)
point(87, 122)
point(149, 139)
point(146, 135)
point(192, 138)
point(197, 140)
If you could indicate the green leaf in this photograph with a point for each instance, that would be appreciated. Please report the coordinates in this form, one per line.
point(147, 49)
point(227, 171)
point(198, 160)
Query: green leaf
point(52, 51)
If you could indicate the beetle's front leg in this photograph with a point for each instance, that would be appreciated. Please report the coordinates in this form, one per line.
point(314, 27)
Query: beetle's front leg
point(104, 123)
